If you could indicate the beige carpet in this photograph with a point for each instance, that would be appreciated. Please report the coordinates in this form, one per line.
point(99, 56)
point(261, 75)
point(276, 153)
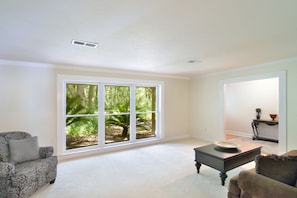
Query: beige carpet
point(158, 171)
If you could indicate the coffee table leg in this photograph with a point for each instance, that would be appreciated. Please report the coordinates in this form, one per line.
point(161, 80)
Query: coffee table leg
point(198, 166)
point(223, 176)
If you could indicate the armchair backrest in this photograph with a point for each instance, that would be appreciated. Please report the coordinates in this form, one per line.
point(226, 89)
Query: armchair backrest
point(4, 142)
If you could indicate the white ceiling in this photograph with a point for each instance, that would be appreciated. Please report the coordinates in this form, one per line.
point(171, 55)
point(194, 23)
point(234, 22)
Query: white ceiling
point(150, 36)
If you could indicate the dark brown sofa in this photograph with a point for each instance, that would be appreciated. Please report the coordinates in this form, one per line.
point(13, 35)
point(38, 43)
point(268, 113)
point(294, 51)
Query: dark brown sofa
point(273, 177)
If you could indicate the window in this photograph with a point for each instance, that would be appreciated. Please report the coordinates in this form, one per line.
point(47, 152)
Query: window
point(98, 113)
point(145, 112)
point(81, 119)
point(117, 113)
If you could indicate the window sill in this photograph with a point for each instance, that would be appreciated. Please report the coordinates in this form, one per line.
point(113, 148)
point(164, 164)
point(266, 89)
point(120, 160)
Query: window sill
point(96, 150)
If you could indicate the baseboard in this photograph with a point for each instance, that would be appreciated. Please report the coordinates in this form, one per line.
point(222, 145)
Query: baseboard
point(241, 134)
point(206, 139)
point(175, 138)
point(110, 149)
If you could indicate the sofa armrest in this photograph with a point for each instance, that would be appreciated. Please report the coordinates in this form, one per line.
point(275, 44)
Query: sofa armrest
point(256, 185)
point(233, 189)
point(46, 151)
point(6, 169)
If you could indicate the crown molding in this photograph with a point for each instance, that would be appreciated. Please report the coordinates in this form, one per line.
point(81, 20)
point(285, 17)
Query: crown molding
point(87, 69)
point(244, 68)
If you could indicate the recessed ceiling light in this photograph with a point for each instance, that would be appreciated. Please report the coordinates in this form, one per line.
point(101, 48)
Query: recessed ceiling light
point(84, 43)
point(194, 61)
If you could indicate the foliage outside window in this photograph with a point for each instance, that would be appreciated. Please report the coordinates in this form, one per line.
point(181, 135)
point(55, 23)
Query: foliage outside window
point(145, 112)
point(117, 113)
point(125, 112)
point(81, 115)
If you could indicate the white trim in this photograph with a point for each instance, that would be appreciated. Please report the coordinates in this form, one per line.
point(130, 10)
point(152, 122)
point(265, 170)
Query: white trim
point(237, 133)
point(244, 68)
point(101, 115)
point(60, 113)
point(89, 69)
point(161, 110)
point(132, 113)
point(118, 71)
point(118, 147)
point(25, 64)
point(175, 138)
point(108, 80)
point(62, 79)
point(203, 138)
point(282, 131)
point(122, 147)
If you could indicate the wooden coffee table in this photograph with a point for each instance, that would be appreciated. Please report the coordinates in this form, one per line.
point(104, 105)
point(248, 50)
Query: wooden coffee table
point(225, 159)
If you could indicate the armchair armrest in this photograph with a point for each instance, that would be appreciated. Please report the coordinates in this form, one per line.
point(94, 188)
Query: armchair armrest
point(46, 151)
point(256, 185)
point(6, 169)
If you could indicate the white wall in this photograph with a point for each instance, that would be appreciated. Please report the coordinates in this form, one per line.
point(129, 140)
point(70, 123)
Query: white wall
point(205, 99)
point(29, 99)
point(241, 100)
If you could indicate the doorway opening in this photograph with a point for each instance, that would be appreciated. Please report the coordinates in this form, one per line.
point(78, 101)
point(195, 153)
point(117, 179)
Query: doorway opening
point(280, 77)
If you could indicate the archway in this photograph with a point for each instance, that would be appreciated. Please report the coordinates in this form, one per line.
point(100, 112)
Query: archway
point(282, 134)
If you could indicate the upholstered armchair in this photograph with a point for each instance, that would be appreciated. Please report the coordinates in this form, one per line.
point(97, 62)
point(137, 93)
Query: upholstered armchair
point(24, 166)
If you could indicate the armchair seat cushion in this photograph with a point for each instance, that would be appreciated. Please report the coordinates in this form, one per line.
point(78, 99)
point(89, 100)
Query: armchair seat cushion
point(24, 174)
point(37, 171)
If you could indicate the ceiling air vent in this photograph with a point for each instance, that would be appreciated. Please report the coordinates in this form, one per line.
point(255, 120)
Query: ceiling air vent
point(84, 43)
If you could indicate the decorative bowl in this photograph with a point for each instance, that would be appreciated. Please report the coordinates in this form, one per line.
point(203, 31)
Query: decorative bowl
point(226, 145)
point(273, 116)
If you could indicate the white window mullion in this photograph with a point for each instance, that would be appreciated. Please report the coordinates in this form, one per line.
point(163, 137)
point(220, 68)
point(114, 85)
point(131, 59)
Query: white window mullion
point(64, 119)
point(132, 114)
point(101, 116)
point(159, 111)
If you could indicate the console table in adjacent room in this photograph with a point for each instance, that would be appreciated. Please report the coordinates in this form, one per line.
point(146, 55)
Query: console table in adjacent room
point(255, 124)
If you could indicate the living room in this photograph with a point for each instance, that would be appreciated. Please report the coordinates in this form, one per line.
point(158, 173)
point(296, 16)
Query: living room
point(192, 110)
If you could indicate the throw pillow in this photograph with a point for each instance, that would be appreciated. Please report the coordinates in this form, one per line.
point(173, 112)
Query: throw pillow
point(281, 168)
point(23, 150)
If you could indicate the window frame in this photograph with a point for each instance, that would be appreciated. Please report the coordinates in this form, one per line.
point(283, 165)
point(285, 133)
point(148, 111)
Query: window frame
point(101, 82)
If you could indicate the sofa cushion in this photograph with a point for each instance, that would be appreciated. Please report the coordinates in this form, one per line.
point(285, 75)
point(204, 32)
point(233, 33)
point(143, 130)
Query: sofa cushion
point(23, 150)
point(281, 168)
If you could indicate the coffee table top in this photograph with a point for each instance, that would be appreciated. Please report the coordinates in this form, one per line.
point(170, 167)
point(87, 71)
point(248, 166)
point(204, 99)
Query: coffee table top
point(214, 151)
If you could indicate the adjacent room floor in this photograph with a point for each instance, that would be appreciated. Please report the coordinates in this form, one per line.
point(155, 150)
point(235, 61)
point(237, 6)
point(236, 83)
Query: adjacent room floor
point(267, 146)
